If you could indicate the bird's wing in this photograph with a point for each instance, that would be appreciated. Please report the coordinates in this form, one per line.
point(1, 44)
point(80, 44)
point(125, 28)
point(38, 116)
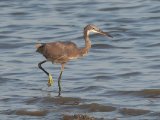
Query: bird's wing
point(60, 51)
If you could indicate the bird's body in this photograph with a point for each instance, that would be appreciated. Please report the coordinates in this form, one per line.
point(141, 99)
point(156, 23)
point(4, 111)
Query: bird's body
point(62, 52)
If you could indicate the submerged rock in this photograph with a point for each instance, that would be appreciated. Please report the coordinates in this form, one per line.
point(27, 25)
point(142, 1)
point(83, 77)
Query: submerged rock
point(78, 117)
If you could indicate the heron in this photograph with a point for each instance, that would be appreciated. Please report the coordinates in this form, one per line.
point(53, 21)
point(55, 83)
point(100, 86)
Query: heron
point(62, 52)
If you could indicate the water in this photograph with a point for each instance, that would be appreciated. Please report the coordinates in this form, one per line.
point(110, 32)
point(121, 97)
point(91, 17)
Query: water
point(119, 79)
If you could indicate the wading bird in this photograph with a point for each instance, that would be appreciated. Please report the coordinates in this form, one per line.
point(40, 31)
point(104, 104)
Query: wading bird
point(62, 52)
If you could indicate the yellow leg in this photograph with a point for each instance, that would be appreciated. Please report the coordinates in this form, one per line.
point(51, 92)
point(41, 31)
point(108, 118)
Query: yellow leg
point(50, 80)
point(59, 80)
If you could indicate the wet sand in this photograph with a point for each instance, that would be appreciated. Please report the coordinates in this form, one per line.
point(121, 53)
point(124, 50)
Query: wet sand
point(82, 109)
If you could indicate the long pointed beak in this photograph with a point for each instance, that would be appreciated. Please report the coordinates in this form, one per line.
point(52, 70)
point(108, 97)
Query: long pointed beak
point(105, 33)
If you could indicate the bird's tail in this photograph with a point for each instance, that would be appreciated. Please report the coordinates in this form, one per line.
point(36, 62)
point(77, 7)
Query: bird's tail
point(39, 47)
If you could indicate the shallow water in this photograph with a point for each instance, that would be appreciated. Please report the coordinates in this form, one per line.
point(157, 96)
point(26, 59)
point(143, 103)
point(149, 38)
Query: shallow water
point(119, 79)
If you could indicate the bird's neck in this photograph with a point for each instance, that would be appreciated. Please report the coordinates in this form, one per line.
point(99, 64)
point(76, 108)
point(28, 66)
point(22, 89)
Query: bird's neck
point(87, 40)
point(85, 49)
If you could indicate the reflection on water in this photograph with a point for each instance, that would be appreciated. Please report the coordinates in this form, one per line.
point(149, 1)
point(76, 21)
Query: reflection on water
point(119, 79)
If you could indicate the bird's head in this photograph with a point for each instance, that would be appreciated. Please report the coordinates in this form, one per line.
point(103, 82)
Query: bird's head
point(92, 28)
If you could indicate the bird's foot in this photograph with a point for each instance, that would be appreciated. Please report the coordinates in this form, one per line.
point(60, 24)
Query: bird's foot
point(50, 80)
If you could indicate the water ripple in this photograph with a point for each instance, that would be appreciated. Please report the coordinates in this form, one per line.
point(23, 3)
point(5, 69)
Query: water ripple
point(117, 75)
